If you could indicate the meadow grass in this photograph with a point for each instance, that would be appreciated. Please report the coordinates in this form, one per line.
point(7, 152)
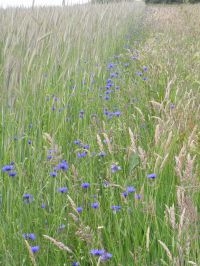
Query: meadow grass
point(100, 142)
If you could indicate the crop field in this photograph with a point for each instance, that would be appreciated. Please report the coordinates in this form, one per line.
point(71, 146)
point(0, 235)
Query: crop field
point(100, 135)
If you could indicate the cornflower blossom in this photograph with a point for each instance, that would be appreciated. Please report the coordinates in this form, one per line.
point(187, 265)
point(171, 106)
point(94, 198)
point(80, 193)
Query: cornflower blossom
point(151, 176)
point(12, 174)
point(63, 189)
point(115, 168)
point(75, 264)
point(95, 205)
point(130, 189)
point(138, 196)
point(63, 165)
point(104, 256)
point(82, 154)
point(116, 208)
point(102, 154)
point(35, 249)
point(85, 185)
point(79, 209)
point(97, 252)
point(28, 198)
point(53, 174)
point(29, 236)
point(7, 168)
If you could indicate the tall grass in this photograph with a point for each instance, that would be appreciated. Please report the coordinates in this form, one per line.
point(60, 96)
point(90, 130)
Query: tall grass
point(99, 135)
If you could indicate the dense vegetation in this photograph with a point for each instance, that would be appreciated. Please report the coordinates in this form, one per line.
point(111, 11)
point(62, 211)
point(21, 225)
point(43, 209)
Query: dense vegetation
point(100, 142)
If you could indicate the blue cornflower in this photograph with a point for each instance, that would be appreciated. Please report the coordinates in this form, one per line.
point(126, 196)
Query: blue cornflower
point(102, 154)
point(79, 209)
point(28, 198)
point(138, 196)
point(97, 252)
point(62, 166)
point(139, 73)
point(75, 264)
point(95, 205)
point(85, 185)
point(43, 205)
point(111, 65)
point(82, 154)
point(115, 168)
point(117, 113)
point(130, 189)
point(114, 75)
point(125, 194)
point(35, 249)
point(77, 142)
point(29, 236)
point(53, 174)
point(145, 68)
point(152, 176)
point(116, 208)
point(105, 256)
point(12, 174)
point(86, 146)
point(7, 168)
point(81, 114)
point(63, 189)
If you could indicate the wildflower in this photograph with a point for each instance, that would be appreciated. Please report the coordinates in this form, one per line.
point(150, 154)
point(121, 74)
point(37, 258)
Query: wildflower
point(77, 142)
point(86, 146)
point(130, 189)
point(117, 113)
point(53, 174)
point(145, 68)
point(29, 236)
point(115, 168)
point(75, 264)
point(82, 154)
point(43, 205)
point(12, 174)
point(152, 176)
point(106, 256)
point(139, 73)
point(102, 154)
point(81, 114)
point(111, 65)
point(79, 209)
point(63, 189)
point(7, 168)
point(62, 166)
point(28, 198)
point(138, 196)
point(35, 249)
point(85, 185)
point(97, 252)
point(116, 208)
point(95, 205)
point(125, 194)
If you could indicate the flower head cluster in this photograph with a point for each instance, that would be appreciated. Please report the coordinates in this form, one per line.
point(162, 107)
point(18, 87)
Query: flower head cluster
point(9, 169)
point(104, 256)
point(63, 165)
point(151, 176)
point(29, 236)
point(28, 198)
point(115, 168)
